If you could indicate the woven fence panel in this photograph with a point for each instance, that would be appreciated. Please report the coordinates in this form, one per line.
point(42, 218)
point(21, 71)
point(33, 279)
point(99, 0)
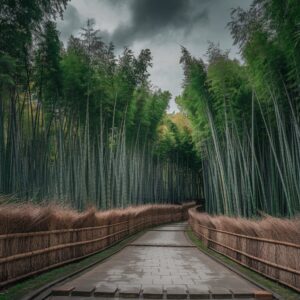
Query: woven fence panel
point(277, 260)
point(26, 254)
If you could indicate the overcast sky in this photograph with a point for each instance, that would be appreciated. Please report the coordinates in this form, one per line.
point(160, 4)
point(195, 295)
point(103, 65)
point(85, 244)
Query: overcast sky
point(160, 25)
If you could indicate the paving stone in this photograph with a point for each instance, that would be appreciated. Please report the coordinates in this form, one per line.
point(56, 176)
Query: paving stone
point(198, 293)
point(218, 293)
point(242, 294)
point(129, 291)
point(163, 238)
point(162, 272)
point(182, 281)
point(176, 292)
point(146, 281)
point(160, 266)
point(63, 290)
point(152, 292)
point(165, 281)
point(103, 290)
point(83, 291)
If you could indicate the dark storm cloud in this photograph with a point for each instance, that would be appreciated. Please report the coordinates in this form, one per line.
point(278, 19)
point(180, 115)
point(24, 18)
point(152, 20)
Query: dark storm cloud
point(116, 2)
point(71, 22)
point(152, 17)
point(104, 35)
point(161, 25)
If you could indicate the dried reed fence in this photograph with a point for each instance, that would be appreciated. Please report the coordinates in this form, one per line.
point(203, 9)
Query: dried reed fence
point(23, 254)
point(270, 246)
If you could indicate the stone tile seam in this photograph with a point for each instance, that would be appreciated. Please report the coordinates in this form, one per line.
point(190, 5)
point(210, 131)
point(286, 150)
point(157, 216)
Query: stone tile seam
point(164, 291)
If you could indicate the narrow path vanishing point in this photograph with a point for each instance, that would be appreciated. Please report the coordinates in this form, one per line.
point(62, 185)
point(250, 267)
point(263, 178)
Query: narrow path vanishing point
point(161, 264)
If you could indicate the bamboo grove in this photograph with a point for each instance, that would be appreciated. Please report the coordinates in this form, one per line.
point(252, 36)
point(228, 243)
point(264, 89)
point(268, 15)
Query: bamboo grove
point(246, 116)
point(79, 125)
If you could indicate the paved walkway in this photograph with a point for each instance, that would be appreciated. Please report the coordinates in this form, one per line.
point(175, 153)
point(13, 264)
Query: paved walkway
point(160, 264)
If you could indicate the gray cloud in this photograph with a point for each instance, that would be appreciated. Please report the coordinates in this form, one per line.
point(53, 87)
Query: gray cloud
point(150, 18)
point(71, 23)
point(161, 26)
point(116, 2)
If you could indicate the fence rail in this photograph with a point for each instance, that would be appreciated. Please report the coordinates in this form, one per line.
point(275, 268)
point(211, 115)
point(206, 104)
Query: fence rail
point(26, 254)
point(39, 233)
point(277, 260)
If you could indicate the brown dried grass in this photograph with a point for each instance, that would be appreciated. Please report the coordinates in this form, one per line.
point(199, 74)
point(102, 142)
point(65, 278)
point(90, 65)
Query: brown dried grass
point(43, 250)
point(268, 227)
point(277, 260)
point(18, 218)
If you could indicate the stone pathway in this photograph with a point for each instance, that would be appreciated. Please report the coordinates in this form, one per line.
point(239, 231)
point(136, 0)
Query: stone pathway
point(160, 264)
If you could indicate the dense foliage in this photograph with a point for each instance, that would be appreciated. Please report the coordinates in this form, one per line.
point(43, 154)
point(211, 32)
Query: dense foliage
point(246, 116)
point(80, 125)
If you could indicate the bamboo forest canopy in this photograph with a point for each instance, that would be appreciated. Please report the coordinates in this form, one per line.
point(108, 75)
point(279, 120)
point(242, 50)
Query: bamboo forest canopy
point(80, 125)
point(245, 117)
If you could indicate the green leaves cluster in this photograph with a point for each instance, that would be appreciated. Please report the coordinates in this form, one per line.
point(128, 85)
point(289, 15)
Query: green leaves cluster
point(220, 86)
point(175, 141)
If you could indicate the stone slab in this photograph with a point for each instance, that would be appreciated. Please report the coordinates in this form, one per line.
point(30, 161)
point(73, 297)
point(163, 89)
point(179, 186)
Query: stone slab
point(84, 291)
point(198, 293)
point(103, 290)
point(242, 294)
point(152, 292)
point(63, 290)
point(176, 292)
point(221, 293)
point(129, 291)
point(163, 238)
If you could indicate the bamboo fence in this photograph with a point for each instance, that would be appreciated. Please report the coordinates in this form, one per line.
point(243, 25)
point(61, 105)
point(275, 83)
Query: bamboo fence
point(27, 254)
point(277, 260)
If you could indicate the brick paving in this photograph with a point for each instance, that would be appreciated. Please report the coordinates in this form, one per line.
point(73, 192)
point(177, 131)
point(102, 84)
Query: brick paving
point(160, 264)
